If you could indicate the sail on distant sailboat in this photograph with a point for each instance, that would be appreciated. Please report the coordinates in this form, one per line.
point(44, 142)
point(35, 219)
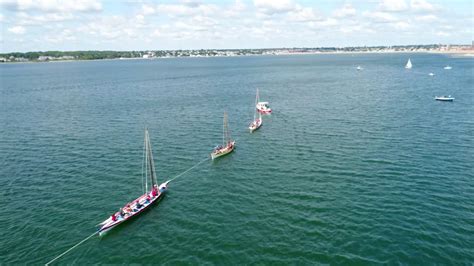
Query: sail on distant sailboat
point(257, 122)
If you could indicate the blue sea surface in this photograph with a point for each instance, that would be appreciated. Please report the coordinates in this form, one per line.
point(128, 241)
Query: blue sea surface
point(352, 167)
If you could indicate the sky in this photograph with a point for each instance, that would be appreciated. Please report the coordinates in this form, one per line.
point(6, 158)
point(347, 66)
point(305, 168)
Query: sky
point(68, 25)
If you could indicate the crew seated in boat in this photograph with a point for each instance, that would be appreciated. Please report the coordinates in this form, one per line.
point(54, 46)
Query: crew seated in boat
point(121, 212)
point(154, 192)
point(147, 199)
point(114, 218)
point(139, 205)
point(127, 210)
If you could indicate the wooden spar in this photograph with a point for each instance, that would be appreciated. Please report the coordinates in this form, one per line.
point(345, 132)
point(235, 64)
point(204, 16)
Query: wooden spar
point(226, 131)
point(150, 160)
point(144, 180)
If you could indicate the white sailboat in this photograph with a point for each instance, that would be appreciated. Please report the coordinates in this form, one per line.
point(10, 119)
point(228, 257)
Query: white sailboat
point(408, 65)
point(140, 204)
point(228, 144)
point(257, 122)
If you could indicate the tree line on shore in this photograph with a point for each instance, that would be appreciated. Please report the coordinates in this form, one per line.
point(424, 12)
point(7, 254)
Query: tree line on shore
point(92, 55)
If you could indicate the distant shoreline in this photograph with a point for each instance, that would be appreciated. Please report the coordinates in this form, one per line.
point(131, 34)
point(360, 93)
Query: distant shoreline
point(276, 52)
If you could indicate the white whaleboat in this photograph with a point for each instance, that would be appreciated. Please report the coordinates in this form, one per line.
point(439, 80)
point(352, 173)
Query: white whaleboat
point(444, 98)
point(228, 144)
point(257, 122)
point(140, 204)
point(408, 65)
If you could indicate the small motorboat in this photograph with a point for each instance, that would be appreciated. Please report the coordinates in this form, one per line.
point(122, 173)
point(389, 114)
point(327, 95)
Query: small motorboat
point(444, 98)
point(431, 74)
point(359, 68)
point(448, 67)
point(228, 144)
point(264, 108)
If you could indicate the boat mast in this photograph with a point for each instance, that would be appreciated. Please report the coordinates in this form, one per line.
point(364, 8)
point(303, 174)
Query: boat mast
point(223, 131)
point(258, 99)
point(145, 166)
point(255, 107)
point(226, 137)
point(151, 164)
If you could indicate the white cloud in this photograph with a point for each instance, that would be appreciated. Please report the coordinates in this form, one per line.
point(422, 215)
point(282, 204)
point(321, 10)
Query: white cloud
point(271, 7)
point(173, 9)
point(427, 18)
point(321, 25)
point(380, 17)
point(17, 29)
point(236, 23)
point(186, 9)
point(26, 19)
point(401, 25)
point(53, 5)
point(422, 5)
point(111, 28)
point(393, 5)
point(238, 6)
point(303, 14)
point(356, 29)
point(148, 10)
point(236, 9)
point(443, 34)
point(346, 11)
point(156, 33)
point(140, 17)
point(63, 36)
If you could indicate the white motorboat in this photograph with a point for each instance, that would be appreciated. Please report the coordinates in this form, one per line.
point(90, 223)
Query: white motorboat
point(444, 98)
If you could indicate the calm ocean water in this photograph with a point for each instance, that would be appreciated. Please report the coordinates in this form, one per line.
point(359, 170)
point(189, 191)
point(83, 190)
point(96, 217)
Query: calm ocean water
point(353, 167)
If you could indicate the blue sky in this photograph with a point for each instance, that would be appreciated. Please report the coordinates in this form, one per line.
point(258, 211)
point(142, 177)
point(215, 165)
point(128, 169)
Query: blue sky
point(39, 25)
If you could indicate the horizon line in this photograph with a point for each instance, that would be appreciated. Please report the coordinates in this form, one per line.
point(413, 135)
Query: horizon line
point(266, 48)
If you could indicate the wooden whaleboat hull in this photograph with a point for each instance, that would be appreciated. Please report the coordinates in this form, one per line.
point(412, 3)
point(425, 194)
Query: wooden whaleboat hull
point(108, 224)
point(223, 151)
